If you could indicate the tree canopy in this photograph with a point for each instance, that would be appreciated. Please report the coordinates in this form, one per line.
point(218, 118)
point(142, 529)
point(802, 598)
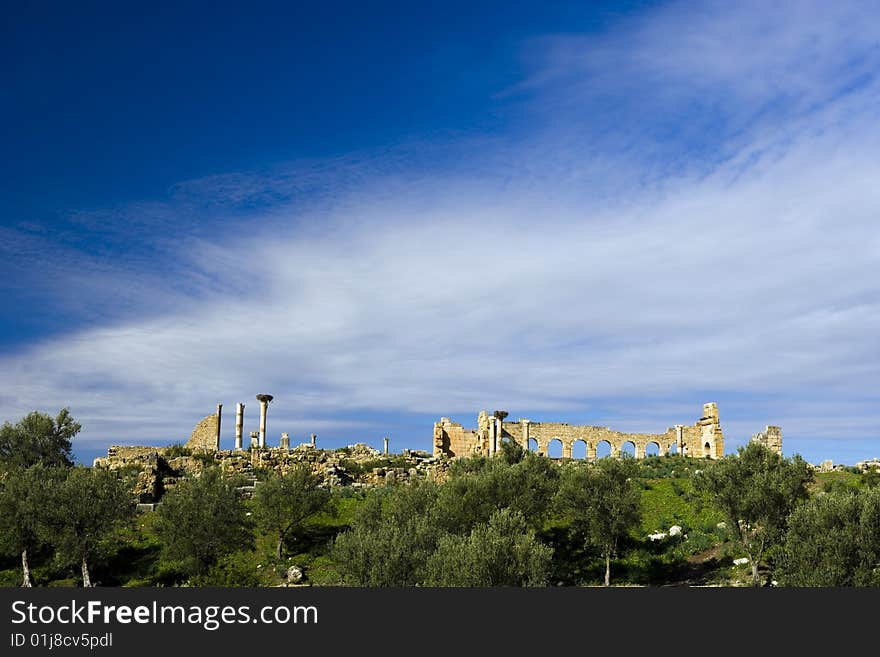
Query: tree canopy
point(200, 520)
point(756, 489)
point(602, 503)
point(38, 438)
point(282, 503)
point(84, 510)
point(833, 540)
point(24, 503)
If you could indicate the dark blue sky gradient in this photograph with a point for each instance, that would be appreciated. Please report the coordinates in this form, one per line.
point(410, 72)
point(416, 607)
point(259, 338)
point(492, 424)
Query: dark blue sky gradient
point(108, 102)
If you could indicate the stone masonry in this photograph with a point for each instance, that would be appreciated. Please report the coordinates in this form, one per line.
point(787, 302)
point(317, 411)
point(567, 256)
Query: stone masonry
point(771, 437)
point(702, 439)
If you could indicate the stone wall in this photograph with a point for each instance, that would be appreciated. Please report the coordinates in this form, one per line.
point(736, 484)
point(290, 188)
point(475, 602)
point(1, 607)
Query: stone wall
point(159, 469)
point(771, 437)
point(204, 436)
point(703, 439)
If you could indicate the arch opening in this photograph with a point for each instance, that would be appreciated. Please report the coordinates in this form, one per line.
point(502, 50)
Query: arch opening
point(707, 450)
point(579, 449)
point(533, 445)
point(652, 449)
point(603, 449)
point(554, 449)
point(628, 449)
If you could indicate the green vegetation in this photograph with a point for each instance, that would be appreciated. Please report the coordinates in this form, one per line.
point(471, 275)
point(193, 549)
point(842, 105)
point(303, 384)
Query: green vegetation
point(756, 489)
point(834, 540)
point(200, 521)
point(515, 520)
point(283, 503)
point(602, 504)
point(38, 438)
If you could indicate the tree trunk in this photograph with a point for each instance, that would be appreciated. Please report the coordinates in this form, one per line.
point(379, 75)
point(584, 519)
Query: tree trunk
point(26, 570)
point(608, 569)
point(755, 579)
point(280, 545)
point(87, 583)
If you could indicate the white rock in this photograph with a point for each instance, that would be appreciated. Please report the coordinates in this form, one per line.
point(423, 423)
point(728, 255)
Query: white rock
point(675, 530)
point(657, 537)
point(742, 561)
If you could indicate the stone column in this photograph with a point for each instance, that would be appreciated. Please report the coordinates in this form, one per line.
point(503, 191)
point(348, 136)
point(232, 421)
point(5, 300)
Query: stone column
point(264, 406)
point(566, 450)
point(679, 439)
point(239, 423)
point(254, 443)
point(493, 427)
point(591, 451)
point(219, 417)
point(525, 433)
point(314, 440)
point(285, 441)
point(386, 445)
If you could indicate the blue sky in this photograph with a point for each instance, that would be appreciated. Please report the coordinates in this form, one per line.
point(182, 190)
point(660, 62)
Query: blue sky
point(601, 213)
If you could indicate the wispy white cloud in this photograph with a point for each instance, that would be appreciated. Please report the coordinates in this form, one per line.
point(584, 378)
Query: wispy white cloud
point(543, 271)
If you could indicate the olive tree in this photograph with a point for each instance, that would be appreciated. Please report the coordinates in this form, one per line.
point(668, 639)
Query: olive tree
point(201, 520)
point(86, 506)
point(756, 489)
point(833, 540)
point(38, 438)
point(282, 503)
point(602, 503)
point(503, 552)
point(24, 503)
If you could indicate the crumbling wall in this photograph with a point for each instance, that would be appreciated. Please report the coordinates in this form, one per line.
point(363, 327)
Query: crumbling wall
point(204, 436)
point(771, 438)
point(703, 439)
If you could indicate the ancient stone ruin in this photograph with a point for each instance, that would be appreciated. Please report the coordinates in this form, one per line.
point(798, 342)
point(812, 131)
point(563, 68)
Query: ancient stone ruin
point(702, 439)
point(771, 438)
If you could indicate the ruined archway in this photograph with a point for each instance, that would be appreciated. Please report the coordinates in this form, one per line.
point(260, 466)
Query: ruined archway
point(707, 450)
point(603, 449)
point(579, 449)
point(533, 445)
point(673, 449)
point(627, 449)
point(652, 449)
point(554, 448)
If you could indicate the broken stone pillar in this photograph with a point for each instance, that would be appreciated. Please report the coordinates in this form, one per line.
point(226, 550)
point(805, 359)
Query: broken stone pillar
point(264, 406)
point(314, 440)
point(285, 441)
point(254, 442)
point(386, 445)
point(525, 433)
point(499, 430)
point(219, 418)
point(679, 439)
point(239, 423)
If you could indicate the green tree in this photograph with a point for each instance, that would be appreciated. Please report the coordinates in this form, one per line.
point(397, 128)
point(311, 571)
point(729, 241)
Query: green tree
point(756, 489)
point(85, 509)
point(38, 438)
point(391, 538)
point(602, 503)
point(23, 506)
point(282, 503)
point(201, 520)
point(504, 552)
point(833, 540)
point(473, 494)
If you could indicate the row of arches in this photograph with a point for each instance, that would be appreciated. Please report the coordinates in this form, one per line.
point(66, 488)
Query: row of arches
point(581, 450)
